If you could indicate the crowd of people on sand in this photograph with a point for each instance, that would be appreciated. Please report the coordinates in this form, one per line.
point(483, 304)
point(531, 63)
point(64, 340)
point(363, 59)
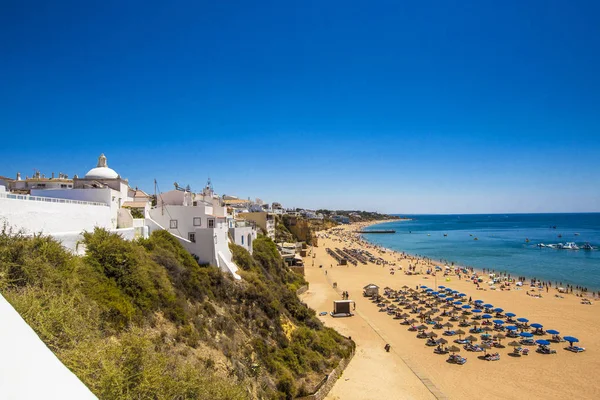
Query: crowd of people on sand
point(417, 264)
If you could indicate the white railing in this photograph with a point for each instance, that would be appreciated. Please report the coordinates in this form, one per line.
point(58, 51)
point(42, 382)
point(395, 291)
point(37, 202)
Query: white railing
point(48, 199)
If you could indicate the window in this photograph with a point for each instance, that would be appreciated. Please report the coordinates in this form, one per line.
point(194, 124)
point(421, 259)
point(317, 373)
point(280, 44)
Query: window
point(242, 240)
point(197, 221)
point(63, 186)
point(173, 224)
point(211, 223)
point(192, 237)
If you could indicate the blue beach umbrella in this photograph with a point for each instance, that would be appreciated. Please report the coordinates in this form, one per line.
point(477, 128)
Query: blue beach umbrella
point(526, 334)
point(466, 306)
point(488, 305)
point(458, 303)
point(477, 310)
point(543, 342)
point(510, 315)
point(511, 328)
point(441, 287)
point(537, 326)
point(448, 289)
point(571, 339)
point(462, 295)
point(498, 321)
point(498, 310)
point(553, 332)
point(486, 316)
point(478, 301)
point(429, 290)
point(423, 287)
point(522, 320)
point(442, 295)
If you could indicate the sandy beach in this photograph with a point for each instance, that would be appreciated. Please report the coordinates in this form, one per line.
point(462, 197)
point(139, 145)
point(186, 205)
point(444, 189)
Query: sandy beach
point(411, 370)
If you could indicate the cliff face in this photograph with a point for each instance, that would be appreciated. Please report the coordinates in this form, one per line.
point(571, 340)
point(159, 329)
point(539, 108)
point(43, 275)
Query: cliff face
point(144, 320)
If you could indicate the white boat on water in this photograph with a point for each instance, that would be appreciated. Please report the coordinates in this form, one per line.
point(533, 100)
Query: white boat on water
point(541, 245)
point(569, 246)
point(587, 246)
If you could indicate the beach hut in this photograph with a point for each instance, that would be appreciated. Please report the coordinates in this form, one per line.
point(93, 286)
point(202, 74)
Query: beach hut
point(342, 308)
point(371, 290)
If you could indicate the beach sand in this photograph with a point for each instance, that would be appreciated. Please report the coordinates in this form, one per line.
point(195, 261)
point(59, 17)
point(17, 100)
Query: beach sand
point(412, 371)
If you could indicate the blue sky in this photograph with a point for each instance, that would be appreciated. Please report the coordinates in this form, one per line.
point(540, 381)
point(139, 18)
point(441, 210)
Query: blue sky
point(407, 107)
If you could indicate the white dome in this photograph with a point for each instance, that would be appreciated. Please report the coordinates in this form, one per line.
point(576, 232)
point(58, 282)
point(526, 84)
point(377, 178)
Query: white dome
point(101, 171)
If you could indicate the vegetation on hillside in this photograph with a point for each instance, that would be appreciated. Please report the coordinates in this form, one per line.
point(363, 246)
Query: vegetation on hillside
point(143, 320)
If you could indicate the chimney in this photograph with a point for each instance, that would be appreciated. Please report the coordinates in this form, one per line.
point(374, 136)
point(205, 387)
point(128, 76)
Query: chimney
point(18, 176)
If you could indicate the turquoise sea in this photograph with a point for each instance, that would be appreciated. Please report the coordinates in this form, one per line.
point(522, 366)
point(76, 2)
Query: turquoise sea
point(501, 243)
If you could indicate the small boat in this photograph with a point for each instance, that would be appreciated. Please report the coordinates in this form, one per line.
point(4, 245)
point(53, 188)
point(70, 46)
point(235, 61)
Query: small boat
point(541, 245)
point(577, 234)
point(587, 246)
point(475, 239)
point(569, 246)
point(559, 235)
point(428, 234)
point(445, 234)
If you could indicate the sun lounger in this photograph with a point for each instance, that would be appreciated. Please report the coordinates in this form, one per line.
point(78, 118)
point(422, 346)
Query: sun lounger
point(456, 359)
point(576, 349)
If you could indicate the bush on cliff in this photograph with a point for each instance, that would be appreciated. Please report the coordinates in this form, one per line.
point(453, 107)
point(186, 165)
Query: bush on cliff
point(144, 320)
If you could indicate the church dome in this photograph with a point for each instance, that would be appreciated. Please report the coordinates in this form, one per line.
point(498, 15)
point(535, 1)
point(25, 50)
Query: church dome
point(101, 171)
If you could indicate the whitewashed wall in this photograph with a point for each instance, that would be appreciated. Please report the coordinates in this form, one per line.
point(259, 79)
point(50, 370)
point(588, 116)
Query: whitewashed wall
point(107, 196)
point(28, 369)
point(243, 236)
point(72, 241)
point(46, 217)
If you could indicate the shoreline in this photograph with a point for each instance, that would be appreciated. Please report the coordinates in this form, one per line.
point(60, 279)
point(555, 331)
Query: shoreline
point(594, 293)
point(411, 369)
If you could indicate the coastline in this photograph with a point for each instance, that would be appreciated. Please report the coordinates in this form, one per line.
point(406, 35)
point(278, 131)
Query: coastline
point(374, 373)
point(478, 270)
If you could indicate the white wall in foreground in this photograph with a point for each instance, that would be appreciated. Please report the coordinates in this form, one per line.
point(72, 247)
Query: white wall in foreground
point(28, 369)
point(50, 217)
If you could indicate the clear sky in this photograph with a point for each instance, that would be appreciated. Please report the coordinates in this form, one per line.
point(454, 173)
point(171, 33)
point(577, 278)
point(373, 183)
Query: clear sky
point(407, 107)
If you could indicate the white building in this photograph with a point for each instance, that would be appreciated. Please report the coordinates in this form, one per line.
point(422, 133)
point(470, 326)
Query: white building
point(37, 181)
point(203, 225)
point(100, 184)
point(64, 213)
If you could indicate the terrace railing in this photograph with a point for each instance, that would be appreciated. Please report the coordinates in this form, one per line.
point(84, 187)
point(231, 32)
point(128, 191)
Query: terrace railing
point(48, 199)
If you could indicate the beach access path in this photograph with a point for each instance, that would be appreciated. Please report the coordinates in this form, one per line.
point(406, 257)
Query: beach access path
point(412, 370)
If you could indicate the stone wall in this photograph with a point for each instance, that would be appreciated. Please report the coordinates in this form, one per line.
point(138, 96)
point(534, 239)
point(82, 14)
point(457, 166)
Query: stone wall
point(330, 380)
point(299, 269)
point(301, 290)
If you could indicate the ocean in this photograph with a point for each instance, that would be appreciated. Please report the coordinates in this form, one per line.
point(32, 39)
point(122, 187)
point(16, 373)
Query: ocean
point(501, 243)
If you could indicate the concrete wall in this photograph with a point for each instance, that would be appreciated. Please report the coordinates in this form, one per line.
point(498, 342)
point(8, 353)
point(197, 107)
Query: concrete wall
point(28, 369)
point(72, 241)
point(49, 217)
point(329, 381)
point(107, 196)
point(243, 236)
